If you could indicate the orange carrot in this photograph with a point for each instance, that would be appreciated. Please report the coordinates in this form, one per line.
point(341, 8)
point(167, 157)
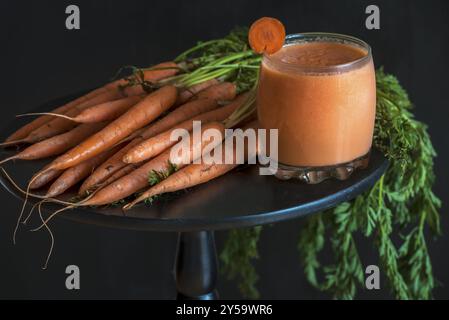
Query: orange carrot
point(47, 174)
point(192, 175)
point(138, 116)
point(58, 144)
point(108, 92)
point(221, 91)
point(110, 166)
point(61, 125)
point(190, 93)
point(52, 128)
point(138, 178)
point(130, 183)
point(75, 174)
point(155, 73)
point(105, 170)
point(214, 93)
point(266, 35)
point(224, 91)
point(105, 111)
point(178, 115)
point(43, 177)
point(24, 131)
point(120, 173)
point(155, 145)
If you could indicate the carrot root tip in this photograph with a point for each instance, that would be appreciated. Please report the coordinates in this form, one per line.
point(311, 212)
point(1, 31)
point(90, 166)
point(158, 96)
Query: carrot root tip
point(13, 142)
point(8, 159)
point(44, 114)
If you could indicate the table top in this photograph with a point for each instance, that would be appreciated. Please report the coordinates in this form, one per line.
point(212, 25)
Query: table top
point(241, 198)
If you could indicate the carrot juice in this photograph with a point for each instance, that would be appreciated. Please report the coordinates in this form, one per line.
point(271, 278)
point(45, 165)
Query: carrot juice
point(319, 91)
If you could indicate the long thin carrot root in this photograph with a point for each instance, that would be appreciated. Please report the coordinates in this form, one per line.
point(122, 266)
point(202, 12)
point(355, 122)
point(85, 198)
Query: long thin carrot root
point(68, 206)
point(19, 219)
point(24, 131)
point(11, 180)
point(13, 143)
point(54, 214)
point(25, 221)
point(44, 114)
point(52, 237)
point(8, 159)
point(27, 194)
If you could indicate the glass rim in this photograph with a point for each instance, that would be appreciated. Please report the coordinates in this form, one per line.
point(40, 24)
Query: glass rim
point(304, 37)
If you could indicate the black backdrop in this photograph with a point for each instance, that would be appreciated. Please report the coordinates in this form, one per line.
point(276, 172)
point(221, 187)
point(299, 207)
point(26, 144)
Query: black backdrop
point(41, 60)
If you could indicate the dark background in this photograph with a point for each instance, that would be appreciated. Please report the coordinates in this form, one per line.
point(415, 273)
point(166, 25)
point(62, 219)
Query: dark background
point(41, 60)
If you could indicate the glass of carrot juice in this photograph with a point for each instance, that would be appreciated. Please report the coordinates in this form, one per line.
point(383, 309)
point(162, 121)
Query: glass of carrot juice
point(319, 91)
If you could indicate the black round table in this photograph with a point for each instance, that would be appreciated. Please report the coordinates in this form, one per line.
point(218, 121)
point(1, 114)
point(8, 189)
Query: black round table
point(239, 199)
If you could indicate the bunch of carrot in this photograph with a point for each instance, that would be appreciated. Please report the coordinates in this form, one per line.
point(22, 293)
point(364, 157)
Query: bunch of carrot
point(112, 141)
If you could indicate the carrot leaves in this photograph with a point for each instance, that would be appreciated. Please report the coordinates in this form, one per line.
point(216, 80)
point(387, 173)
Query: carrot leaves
point(394, 214)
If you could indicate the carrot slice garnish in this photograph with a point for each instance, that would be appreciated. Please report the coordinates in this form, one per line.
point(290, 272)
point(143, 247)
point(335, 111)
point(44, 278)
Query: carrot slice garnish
point(266, 35)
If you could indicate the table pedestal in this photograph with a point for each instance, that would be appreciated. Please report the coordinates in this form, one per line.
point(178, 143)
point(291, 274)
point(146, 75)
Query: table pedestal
point(196, 266)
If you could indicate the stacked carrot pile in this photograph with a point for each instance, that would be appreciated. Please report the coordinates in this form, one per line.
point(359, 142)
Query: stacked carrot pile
point(115, 140)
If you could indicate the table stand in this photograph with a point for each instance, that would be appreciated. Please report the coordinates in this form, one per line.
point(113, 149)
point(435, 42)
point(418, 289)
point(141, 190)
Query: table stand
point(196, 266)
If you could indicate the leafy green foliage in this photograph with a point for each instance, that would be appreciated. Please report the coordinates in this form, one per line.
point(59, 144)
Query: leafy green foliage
point(239, 251)
point(228, 58)
point(136, 78)
point(154, 177)
point(401, 200)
